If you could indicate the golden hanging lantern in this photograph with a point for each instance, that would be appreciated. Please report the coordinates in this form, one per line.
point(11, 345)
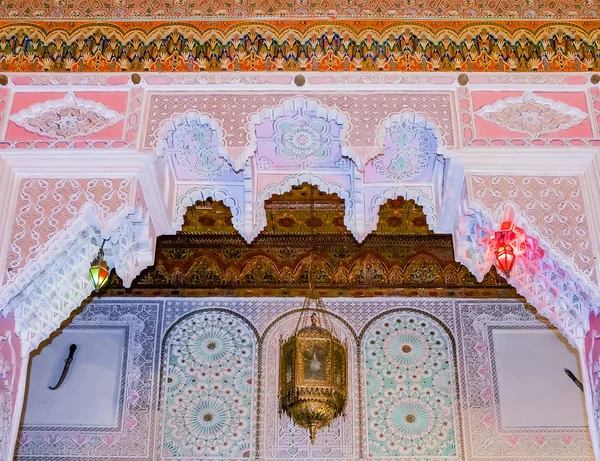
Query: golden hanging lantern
point(313, 372)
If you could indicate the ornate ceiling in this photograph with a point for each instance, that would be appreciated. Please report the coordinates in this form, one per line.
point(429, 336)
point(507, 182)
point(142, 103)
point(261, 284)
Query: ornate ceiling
point(208, 257)
point(321, 9)
point(447, 43)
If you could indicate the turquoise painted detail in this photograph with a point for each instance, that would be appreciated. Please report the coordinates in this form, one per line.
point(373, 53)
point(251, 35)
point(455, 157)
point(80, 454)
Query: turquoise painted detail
point(410, 392)
point(209, 389)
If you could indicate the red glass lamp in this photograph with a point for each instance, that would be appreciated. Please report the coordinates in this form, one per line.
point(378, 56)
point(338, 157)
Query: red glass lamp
point(99, 270)
point(505, 255)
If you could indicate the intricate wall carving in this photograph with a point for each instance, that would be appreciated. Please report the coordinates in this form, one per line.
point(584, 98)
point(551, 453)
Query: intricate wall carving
point(532, 114)
point(196, 146)
point(45, 206)
point(66, 118)
point(363, 114)
point(543, 277)
point(134, 433)
point(278, 265)
point(409, 389)
point(43, 295)
point(469, 321)
point(483, 436)
point(552, 204)
point(10, 371)
point(209, 392)
point(380, 9)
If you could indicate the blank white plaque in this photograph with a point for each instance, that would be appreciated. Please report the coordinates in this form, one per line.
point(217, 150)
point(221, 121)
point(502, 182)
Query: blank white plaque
point(89, 396)
point(534, 391)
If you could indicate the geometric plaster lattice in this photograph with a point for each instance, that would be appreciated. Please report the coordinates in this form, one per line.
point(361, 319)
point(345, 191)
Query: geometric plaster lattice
point(43, 295)
point(410, 388)
point(551, 284)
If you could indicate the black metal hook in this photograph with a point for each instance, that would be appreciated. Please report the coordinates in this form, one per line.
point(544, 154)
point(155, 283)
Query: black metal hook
point(72, 349)
point(574, 378)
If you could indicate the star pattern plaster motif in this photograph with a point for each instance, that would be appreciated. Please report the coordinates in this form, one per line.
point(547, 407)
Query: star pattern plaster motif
point(410, 389)
point(209, 392)
point(531, 114)
point(302, 138)
point(66, 118)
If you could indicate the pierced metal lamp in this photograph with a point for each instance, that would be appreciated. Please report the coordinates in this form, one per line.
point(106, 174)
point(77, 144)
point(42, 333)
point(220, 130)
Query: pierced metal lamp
point(505, 256)
point(313, 372)
point(99, 270)
point(313, 366)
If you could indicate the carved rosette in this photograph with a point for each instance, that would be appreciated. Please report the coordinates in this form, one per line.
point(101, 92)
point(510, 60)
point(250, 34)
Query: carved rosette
point(67, 118)
point(531, 114)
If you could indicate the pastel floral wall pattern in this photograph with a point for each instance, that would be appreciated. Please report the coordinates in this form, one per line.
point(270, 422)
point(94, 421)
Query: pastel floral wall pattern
point(409, 148)
point(410, 393)
point(301, 137)
point(209, 397)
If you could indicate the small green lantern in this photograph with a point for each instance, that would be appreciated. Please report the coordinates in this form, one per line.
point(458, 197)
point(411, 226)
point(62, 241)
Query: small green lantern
point(99, 270)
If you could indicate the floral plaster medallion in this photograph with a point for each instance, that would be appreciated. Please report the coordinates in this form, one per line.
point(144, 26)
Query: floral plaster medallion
point(408, 147)
point(531, 114)
point(196, 149)
point(66, 118)
point(302, 138)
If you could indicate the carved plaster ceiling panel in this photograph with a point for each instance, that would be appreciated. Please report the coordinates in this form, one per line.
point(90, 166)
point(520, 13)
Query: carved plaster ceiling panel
point(532, 114)
point(66, 118)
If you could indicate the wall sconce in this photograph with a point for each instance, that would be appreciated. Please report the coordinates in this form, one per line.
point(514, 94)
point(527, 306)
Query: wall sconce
point(99, 270)
point(505, 255)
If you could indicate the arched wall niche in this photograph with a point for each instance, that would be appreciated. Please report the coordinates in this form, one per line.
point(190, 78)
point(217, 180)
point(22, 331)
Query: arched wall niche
point(208, 397)
point(279, 438)
point(410, 387)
